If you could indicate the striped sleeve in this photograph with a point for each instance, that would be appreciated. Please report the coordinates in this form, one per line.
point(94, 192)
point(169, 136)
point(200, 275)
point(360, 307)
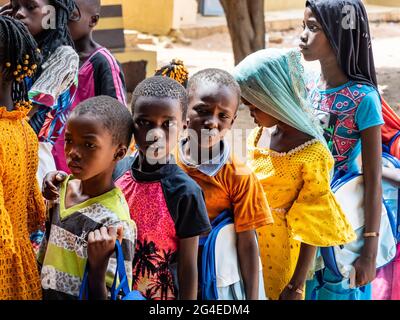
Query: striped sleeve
point(108, 76)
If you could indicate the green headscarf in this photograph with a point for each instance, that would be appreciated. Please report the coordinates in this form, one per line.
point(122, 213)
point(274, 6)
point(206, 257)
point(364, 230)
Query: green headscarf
point(273, 80)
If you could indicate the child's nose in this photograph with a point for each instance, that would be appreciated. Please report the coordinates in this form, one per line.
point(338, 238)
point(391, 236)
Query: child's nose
point(155, 135)
point(74, 154)
point(304, 36)
point(211, 123)
point(20, 14)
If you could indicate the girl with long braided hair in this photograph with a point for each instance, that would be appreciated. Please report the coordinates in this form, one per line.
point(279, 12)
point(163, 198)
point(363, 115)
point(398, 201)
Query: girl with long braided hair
point(53, 89)
point(21, 206)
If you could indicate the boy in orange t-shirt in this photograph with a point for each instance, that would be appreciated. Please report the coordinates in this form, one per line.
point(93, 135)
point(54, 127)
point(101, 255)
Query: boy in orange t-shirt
point(214, 98)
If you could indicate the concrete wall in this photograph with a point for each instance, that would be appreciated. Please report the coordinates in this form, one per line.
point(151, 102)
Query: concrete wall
point(279, 5)
point(156, 16)
point(392, 3)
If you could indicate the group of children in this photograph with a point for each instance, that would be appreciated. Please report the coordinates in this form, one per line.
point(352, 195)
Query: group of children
point(159, 197)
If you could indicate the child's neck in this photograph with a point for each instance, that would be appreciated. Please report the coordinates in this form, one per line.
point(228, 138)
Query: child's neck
point(85, 47)
point(332, 75)
point(286, 138)
point(145, 166)
point(5, 95)
point(204, 155)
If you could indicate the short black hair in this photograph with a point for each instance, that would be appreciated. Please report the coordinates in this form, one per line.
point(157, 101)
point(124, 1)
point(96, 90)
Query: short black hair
point(113, 115)
point(161, 87)
point(216, 76)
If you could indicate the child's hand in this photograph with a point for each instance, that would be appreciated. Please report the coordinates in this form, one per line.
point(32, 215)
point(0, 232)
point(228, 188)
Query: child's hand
point(51, 183)
point(101, 244)
point(290, 294)
point(365, 270)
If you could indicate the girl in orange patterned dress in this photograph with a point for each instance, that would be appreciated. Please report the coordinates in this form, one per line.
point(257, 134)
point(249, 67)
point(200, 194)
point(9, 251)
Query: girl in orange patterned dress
point(22, 208)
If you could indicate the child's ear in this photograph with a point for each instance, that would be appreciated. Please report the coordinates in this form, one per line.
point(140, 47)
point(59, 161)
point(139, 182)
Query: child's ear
point(121, 152)
point(94, 20)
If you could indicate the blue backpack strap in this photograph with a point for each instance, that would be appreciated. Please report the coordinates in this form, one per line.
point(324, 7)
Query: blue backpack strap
point(120, 273)
point(84, 289)
point(393, 139)
point(209, 279)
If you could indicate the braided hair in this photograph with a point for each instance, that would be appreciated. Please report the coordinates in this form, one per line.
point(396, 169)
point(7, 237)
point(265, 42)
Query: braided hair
point(21, 58)
point(51, 39)
point(175, 70)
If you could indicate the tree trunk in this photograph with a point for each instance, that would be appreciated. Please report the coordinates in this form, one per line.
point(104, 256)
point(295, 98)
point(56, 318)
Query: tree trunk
point(245, 19)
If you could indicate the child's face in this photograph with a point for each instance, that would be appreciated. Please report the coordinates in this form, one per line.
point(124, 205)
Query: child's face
point(89, 148)
point(157, 125)
point(212, 112)
point(31, 13)
point(83, 19)
point(314, 44)
point(261, 118)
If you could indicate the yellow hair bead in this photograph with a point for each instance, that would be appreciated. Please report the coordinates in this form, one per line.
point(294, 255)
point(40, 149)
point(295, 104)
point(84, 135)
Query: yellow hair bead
point(26, 62)
point(27, 56)
point(8, 64)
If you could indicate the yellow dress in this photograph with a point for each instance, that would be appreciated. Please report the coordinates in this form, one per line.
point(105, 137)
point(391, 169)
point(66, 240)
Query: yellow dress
point(22, 208)
point(303, 207)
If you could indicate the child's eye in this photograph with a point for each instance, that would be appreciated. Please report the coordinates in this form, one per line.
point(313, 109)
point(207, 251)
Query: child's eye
point(31, 7)
point(143, 123)
point(90, 145)
point(200, 111)
point(68, 141)
point(313, 28)
point(224, 116)
point(169, 123)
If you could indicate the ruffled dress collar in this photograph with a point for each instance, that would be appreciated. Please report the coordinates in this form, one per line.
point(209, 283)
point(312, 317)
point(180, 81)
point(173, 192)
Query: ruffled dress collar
point(16, 114)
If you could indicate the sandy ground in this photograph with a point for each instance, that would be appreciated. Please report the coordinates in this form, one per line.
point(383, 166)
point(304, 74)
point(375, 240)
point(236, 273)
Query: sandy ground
point(216, 51)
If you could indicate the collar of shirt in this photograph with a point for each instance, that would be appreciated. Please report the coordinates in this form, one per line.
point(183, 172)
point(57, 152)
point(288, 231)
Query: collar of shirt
point(213, 166)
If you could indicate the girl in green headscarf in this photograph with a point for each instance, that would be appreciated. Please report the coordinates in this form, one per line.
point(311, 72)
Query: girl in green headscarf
point(288, 153)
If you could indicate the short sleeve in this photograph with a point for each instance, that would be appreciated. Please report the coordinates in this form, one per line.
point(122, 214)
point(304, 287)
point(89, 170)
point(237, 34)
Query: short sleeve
point(60, 72)
point(315, 217)
point(192, 217)
point(369, 111)
point(250, 207)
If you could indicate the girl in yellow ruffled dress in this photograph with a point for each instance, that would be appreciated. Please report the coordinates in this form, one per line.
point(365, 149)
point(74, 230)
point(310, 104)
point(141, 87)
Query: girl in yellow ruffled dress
point(289, 155)
point(22, 208)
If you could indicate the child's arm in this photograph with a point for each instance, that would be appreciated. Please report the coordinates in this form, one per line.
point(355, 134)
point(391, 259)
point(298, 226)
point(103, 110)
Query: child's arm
point(101, 244)
point(392, 175)
point(365, 265)
point(304, 264)
point(249, 262)
point(187, 268)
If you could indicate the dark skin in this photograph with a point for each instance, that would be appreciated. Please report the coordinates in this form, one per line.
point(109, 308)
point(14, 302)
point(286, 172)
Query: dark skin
point(315, 46)
point(92, 155)
point(214, 108)
point(84, 18)
point(31, 13)
point(284, 139)
point(157, 125)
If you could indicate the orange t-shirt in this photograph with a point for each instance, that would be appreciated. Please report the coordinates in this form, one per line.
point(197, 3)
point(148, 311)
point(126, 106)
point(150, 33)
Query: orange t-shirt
point(236, 188)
